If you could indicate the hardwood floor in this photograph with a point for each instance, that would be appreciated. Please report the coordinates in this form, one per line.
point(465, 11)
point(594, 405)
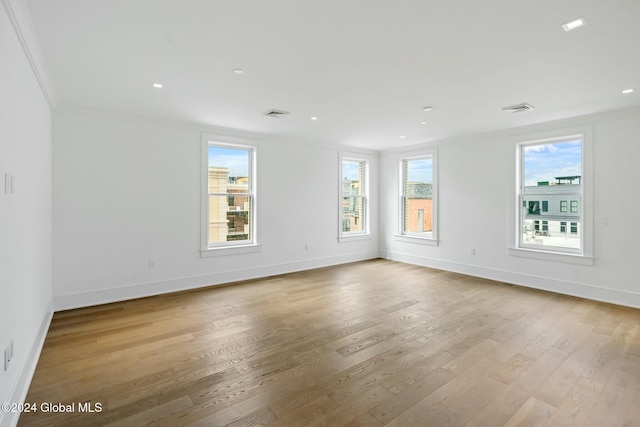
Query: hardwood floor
point(374, 343)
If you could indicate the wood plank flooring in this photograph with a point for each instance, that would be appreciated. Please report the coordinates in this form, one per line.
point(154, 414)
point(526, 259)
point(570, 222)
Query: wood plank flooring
point(375, 343)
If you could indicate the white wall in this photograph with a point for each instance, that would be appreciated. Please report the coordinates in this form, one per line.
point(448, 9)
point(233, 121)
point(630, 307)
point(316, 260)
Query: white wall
point(476, 176)
point(25, 216)
point(127, 190)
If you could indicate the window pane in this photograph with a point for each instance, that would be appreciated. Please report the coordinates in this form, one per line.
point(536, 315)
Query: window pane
point(229, 218)
point(574, 206)
point(418, 195)
point(534, 208)
point(353, 204)
point(353, 214)
point(230, 197)
point(232, 165)
point(552, 186)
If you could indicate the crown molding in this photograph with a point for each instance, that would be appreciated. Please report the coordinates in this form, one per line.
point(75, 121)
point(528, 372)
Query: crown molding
point(524, 131)
point(20, 18)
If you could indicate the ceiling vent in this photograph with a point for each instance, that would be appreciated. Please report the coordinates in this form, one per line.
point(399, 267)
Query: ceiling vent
point(275, 113)
point(518, 108)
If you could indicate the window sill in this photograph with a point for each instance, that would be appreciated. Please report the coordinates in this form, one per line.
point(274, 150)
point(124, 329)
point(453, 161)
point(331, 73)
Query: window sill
point(354, 237)
point(551, 256)
point(230, 250)
point(416, 239)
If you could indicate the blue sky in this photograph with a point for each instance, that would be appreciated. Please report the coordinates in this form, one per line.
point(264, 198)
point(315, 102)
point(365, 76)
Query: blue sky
point(237, 161)
point(420, 170)
point(350, 170)
point(544, 162)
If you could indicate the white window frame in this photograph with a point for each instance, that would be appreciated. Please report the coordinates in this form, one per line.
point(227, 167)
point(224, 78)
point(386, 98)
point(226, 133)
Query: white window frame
point(419, 238)
point(233, 247)
point(583, 256)
point(365, 233)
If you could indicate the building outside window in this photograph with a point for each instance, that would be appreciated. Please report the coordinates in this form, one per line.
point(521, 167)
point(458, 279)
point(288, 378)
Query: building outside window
point(550, 175)
point(418, 201)
point(574, 206)
point(354, 195)
point(230, 196)
point(563, 206)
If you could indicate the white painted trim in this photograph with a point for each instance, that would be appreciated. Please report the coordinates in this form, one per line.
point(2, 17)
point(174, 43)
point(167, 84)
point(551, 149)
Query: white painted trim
point(515, 246)
point(409, 238)
point(355, 237)
point(581, 290)
point(229, 248)
point(18, 393)
point(366, 186)
point(568, 258)
point(552, 126)
point(201, 127)
point(401, 158)
point(20, 18)
point(141, 290)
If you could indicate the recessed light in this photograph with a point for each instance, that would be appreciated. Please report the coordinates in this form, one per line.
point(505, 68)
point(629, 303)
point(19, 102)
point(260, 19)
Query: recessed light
point(157, 85)
point(402, 137)
point(574, 24)
point(423, 123)
point(427, 108)
point(238, 71)
point(627, 91)
point(313, 118)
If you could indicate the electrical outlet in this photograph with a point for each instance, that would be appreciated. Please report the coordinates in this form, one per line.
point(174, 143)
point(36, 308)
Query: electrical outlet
point(152, 264)
point(472, 251)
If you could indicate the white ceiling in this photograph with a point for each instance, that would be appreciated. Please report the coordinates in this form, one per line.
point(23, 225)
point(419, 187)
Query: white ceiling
point(365, 68)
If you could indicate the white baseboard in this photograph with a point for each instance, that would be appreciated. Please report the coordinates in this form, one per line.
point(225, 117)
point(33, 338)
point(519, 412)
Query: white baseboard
point(21, 387)
point(613, 296)
point(141, 290)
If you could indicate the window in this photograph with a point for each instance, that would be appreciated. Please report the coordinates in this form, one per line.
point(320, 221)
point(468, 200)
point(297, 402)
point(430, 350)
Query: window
point(354, 196)
point(229, 197)
point(574, 206)
point(563, 206)
point(551, 171)
point(418, 201)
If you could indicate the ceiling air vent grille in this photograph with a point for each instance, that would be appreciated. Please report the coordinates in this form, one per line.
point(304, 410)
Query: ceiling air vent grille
point(518, 108)
point(275, 113)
